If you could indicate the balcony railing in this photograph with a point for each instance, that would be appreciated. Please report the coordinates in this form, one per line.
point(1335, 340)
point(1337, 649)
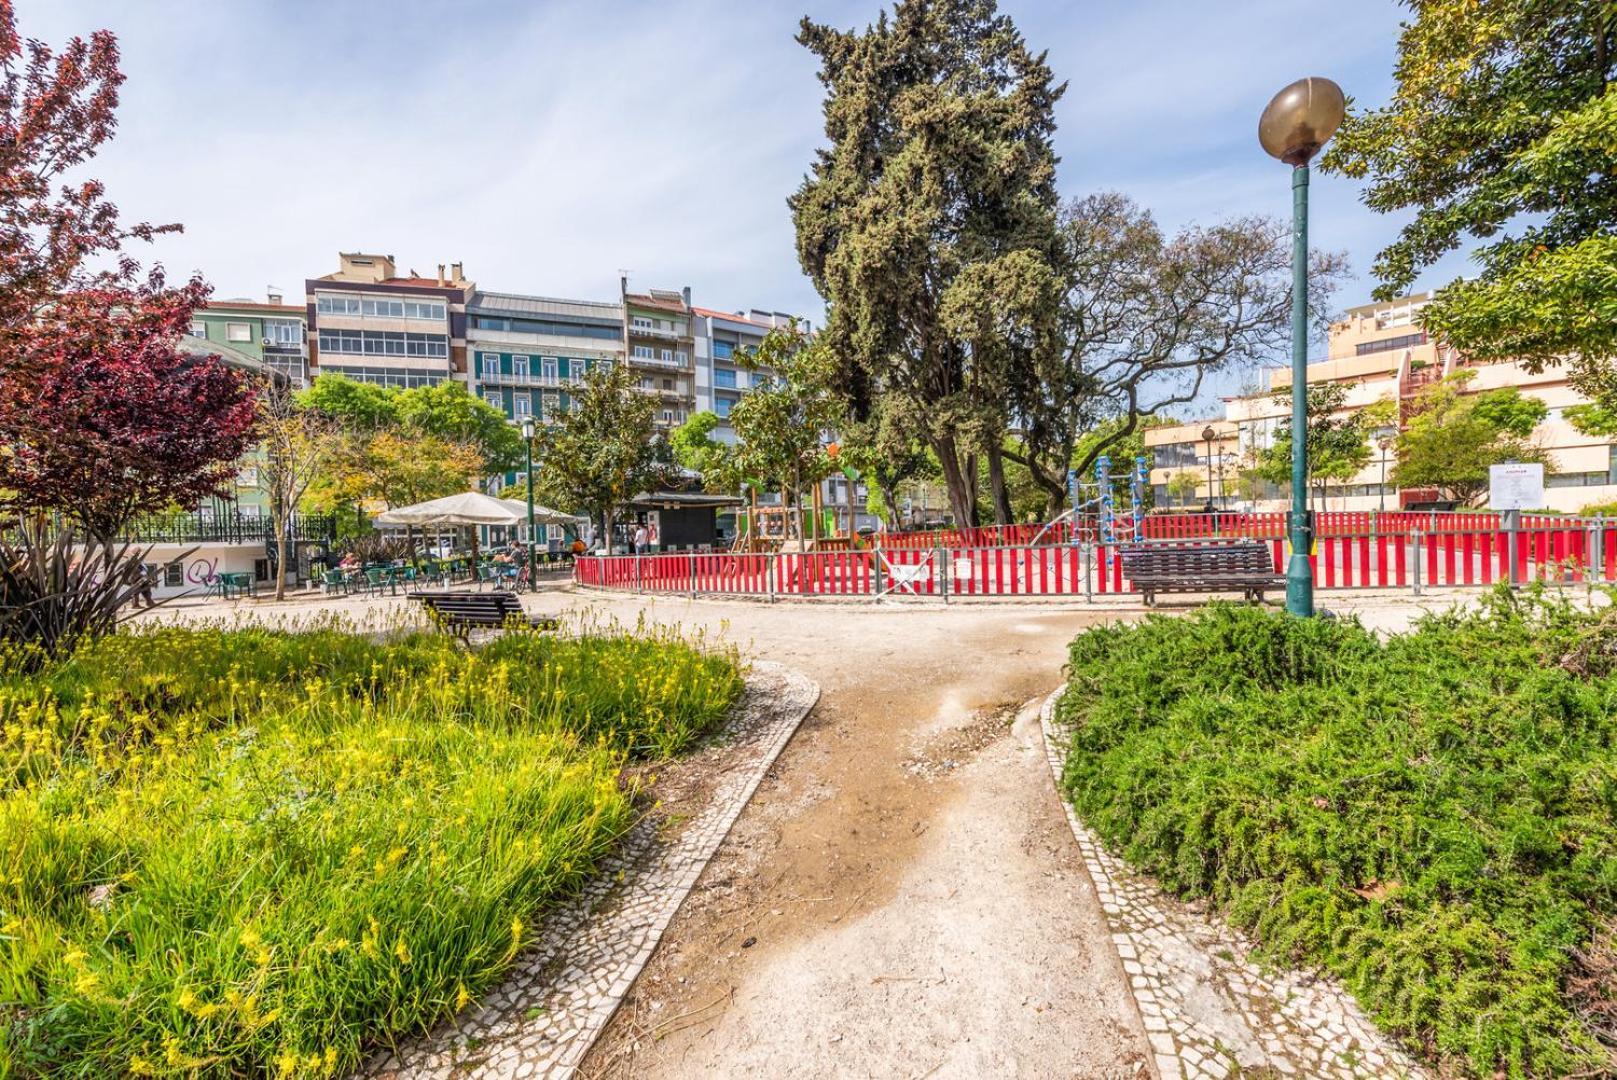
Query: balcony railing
point(506, 378)
point(674, 364)
point(660, 335)
point(228, 528)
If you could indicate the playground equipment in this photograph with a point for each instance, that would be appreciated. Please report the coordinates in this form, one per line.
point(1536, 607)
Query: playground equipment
point(1094, 518)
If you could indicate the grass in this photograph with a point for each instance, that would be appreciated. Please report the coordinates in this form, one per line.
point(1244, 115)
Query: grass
point(252, 851)
point(1431, 818)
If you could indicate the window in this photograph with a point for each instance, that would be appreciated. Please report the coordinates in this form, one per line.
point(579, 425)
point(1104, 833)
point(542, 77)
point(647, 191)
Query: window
point(199, 328)
point(724, 377)
point(247, 477)
point(668, 384)
point(423, 309)
point(609, 331)
point(522, 405)
point(551, 404)
point(641, 324)
point(679, 358)
point(337, 305)
point(286, 333)
point(723, 350)
point(760, 378)
point(1175, 456)
point(604, 365)
point(642, 352)
point(238, 331)
point(1402, 341)
point(1587, 479)
point(494, 398)
point(668, 356)
point(723, 405)
point(668, 416)
point(547, 368)
point(174, 575)
point(519, 366)
point(491, 364)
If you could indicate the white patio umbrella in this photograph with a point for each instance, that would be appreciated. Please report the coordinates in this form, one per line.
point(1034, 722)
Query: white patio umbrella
point(542, 515)
point(467, 508)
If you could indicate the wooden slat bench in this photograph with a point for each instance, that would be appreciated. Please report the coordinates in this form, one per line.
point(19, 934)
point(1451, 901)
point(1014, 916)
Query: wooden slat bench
point(1245, 567)
point(462, 612)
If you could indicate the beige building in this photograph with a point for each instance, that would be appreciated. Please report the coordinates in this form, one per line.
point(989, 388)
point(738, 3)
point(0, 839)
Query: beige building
point(370, 324)
point(1380, 353)
point(659, 341)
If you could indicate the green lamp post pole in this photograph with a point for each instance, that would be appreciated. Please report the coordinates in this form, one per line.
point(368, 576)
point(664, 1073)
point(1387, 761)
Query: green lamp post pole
point(533, 568)
point(1297, 122)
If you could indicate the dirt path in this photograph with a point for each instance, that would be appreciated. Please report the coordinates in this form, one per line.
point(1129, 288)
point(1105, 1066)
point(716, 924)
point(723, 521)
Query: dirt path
point(903, 896)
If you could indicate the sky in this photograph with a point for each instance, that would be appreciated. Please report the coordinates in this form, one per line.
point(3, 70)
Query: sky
point(550, 145)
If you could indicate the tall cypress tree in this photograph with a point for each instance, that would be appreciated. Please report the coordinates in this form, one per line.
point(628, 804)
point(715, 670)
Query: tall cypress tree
point(928, 223)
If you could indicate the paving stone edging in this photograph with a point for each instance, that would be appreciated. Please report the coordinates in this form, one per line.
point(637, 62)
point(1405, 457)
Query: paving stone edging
point(563, 990)
point(1207, 1008)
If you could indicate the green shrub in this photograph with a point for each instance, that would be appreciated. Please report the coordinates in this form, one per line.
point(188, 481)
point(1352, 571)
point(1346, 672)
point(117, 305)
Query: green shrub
point(1430, 818)
point(253, 851)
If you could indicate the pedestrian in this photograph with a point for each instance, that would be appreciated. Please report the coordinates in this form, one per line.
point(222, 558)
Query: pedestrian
point(640, 545)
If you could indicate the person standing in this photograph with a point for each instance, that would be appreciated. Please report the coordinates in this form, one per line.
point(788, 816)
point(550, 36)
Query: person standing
point(640, 539)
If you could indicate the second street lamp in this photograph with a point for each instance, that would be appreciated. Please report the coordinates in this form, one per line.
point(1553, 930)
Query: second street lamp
point(1208, 434)
point(1297, 122)
point(527, 441)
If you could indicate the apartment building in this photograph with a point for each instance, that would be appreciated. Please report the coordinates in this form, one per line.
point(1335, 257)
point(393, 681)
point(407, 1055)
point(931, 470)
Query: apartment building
point(527, 351)
point(720, 381)
point(270, 332)
point(371, 324)
point(1379, 352)
point(658, 342)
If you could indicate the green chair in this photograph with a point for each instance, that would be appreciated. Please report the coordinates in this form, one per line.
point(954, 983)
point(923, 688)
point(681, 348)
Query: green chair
point(334, 582)
point(375, 579)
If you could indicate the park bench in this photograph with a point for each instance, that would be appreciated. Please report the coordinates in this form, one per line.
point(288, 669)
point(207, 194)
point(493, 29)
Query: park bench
point(1245, 567)
point(462, 612)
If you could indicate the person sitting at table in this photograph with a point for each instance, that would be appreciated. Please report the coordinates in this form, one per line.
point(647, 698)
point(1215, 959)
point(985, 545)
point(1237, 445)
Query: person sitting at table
point(349, 563)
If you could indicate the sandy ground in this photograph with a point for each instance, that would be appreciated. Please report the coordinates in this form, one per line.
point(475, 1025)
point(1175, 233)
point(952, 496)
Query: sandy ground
point(903, 896)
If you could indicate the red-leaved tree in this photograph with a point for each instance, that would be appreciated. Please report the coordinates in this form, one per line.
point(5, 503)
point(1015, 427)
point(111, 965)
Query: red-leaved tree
point(102, 417)
point(113, 420)
point(56, 110)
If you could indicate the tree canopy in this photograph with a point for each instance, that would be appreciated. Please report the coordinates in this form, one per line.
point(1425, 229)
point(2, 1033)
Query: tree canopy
point(1503, 126)
point(1338, 441)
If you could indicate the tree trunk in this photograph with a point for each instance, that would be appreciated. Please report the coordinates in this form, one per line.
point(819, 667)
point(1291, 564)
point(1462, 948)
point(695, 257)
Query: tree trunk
point(996, 484)
point(962, 488)
point(280, 524)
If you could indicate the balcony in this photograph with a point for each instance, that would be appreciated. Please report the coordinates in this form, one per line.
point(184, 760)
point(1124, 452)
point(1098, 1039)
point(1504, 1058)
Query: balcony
point(505, 378)
point(661, 364)
point(659, 335)
point(227, 528)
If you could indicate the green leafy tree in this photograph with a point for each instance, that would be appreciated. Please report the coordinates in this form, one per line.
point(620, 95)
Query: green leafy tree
point(936, 190)
point(783, 427)
point(602, 450)
point(449, 411)
point(1182, 486)
point(883, 451)
point(1338, 441)
point(1503, 126)
point(358, 405)
point(695, 448)
point(1453, 437)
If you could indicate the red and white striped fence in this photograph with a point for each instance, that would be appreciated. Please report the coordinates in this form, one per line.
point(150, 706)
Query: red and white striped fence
point(1405, 558)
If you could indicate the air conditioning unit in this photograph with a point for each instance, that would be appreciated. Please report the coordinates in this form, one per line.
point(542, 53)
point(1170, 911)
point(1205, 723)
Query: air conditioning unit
point(265, 342)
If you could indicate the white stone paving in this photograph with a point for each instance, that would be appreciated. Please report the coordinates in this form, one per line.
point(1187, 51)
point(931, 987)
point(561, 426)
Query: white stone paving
point(562, 992)
point(1208, 1010)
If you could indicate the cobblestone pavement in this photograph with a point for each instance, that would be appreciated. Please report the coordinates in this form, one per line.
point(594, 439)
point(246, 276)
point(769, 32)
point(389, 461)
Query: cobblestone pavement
point(1208, 1010)
point(563, 991)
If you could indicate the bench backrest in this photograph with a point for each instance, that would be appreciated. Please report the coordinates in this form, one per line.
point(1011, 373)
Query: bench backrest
point(1198, 559)
point(493, 608)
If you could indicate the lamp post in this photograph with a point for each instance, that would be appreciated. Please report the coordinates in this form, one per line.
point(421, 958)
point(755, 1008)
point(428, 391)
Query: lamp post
point(527, 442)
point(1295, 124)
point(1208, 434)
point(1384, 441)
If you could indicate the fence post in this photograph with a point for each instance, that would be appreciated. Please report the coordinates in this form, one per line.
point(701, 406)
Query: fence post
point(1513, 523)
point(639, 575)
point(938, 557)
point(693, 577)
point(771, 569)
point(1089, 573)
point(1415, 557)
point(1591, 561)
